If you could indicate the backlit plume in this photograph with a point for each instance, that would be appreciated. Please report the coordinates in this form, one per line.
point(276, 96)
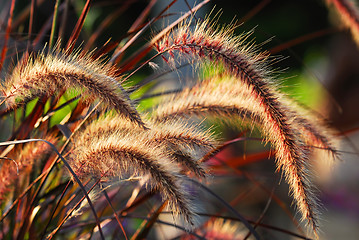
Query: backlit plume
point(47, 74)
point(250, 94)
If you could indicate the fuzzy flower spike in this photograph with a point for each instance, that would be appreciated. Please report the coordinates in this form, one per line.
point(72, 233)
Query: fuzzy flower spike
point(128, 152)
point(184, 143)
point(250, 67)
point(49, 73)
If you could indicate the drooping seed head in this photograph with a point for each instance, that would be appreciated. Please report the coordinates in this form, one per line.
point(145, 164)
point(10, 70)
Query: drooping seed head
point(51, 73)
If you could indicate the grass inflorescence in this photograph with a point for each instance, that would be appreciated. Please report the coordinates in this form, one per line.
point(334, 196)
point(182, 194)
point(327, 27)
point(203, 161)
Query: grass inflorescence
point(249, 66)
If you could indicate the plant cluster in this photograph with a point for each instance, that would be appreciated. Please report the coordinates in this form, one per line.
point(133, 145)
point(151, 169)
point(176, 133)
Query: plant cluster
point(81, 143)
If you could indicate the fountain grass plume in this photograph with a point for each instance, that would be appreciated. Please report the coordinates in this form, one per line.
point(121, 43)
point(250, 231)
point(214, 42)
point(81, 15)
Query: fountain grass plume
point(46, 74)
point(184, 143)
point(130, 156)
point(237, 98)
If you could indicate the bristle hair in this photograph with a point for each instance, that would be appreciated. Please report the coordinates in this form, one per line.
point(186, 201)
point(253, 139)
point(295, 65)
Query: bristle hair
point(114, 146)
point(50, 73)
point(175, 137)
point(274, 119)
point(135, 155)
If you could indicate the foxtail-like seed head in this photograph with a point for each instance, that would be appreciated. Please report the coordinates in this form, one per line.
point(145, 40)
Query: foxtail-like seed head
point(47, 74)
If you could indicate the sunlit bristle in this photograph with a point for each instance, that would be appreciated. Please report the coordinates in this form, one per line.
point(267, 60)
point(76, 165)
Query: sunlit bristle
point(263, 100)
point(50, 73)
point(131, 155)
point(185, 143)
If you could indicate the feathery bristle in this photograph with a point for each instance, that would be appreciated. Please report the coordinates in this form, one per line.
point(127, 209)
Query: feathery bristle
point(250, 67)
point(113, 155)
point(315, 135)
point(48, 74)
point(181, 133)
point(184, 143)
point(207, 99)
point(229, 99)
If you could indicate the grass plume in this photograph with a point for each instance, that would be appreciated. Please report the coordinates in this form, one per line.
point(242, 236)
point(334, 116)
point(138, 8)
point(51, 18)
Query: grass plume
point(184, 143)
point(48, 74)
point(131, 155)
point(250, 67)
